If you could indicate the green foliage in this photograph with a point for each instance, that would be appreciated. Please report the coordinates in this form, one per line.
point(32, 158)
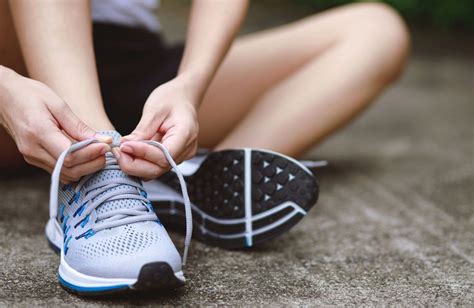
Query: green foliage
point(451, 14)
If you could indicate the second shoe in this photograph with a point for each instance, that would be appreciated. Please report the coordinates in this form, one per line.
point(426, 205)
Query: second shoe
point(240, 197)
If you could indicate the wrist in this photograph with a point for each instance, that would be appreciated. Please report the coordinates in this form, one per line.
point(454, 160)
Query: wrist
point(5, 74)
point(4, 77)
point(195, 83)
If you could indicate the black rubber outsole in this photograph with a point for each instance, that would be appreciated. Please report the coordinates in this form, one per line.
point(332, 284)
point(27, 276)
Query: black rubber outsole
point(217, 188)
point(156, 276)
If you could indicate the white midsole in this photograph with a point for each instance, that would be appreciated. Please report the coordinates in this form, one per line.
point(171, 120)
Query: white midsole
point(154, 194)
point(159, 192)
point(55, 236)
point(76, 278)
point(254, 232)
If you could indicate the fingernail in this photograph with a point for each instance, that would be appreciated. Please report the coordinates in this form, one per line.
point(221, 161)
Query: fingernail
point(126, 138)
point(116, 153)
point(103, 138)
point(126, 149)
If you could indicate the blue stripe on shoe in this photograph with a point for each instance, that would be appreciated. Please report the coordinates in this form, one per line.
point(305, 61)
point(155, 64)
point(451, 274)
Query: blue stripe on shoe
point(66, 243)
point(79, 210)
point(85, 221)
point(61, 212)
point(66, 218)
point(86, 234)
point(90, 289)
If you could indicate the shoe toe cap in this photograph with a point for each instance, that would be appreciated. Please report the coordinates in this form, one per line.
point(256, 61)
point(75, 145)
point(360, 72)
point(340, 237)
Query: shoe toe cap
point(123, 253)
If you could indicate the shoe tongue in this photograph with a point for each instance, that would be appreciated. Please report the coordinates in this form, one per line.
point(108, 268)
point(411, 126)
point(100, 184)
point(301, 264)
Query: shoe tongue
point(109, 174)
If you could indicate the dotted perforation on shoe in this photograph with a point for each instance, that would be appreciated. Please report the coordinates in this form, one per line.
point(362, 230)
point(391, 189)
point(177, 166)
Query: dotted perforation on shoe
point(276, 180)
point(218, 186)
point(129, 241)
point(105, 175)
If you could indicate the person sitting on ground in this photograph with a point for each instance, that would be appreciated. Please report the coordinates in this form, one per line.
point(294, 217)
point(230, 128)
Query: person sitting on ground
point(65, 79)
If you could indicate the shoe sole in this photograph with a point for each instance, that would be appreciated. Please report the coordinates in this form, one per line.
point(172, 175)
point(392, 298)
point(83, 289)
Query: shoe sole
point(240, 198)
point(152, 276)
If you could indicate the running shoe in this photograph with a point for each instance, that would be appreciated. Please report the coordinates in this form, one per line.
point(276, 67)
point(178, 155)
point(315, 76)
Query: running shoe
point(239, 198)
point(107, 233)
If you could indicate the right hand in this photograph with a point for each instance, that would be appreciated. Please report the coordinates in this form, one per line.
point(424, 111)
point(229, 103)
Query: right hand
point(43, 126)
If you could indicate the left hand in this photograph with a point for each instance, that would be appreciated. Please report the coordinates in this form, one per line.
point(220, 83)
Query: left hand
point(169, 117)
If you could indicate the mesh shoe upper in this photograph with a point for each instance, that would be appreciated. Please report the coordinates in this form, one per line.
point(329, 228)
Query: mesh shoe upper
point(120, 251)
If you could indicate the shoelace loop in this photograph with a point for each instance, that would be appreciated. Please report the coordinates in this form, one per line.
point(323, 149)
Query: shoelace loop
point(102, 192)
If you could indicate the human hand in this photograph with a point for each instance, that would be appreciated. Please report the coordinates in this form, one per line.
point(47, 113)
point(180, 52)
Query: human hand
point(169, 117)
point(43, 126)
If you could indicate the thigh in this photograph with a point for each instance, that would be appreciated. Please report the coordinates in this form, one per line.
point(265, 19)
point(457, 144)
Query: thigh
point(10, 52)
point(258, 61)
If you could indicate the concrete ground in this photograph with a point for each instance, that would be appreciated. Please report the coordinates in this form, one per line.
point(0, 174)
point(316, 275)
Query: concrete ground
point(394, 224)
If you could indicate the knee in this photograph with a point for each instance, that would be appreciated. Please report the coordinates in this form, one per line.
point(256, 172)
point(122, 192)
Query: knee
point(386, 35)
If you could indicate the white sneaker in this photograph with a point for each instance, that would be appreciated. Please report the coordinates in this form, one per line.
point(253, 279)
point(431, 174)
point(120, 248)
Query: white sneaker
point(108, 235)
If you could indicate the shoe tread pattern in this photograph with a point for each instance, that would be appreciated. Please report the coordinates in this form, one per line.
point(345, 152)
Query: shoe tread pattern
point(218, 186)
point(275, 180)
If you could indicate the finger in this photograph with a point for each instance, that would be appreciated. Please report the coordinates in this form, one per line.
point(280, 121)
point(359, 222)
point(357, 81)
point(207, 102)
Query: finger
point(70, 123)
point(46, 162)
point(147, 127)
point(145, 151)
point(139, 167)
point(157, 137)
point(189, 153)
point(40, 159)
point(79, 171)
point(39, 164)
point(104, 138)
point(144, 130)
point(87, 154)
point(66, 179)
point(55, 143)
point(176, 142)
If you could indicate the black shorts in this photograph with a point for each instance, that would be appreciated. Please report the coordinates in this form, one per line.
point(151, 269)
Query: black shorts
point(131, 63)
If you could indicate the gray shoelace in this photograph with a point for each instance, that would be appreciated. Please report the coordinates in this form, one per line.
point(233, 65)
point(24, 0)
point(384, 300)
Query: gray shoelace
point(103, 191)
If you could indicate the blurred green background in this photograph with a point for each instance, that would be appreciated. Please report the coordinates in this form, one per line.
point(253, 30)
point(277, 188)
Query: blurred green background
point(442, 14)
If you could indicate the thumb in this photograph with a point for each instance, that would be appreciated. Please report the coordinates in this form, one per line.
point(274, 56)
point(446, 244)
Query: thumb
point(71, 124)
point(175, 141)
point(145, 130)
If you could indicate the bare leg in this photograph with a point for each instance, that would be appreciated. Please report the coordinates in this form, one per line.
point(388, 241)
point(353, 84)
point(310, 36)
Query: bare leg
point(286, 89)
point(70, 70)
point(80, 91)
point(10, 56)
